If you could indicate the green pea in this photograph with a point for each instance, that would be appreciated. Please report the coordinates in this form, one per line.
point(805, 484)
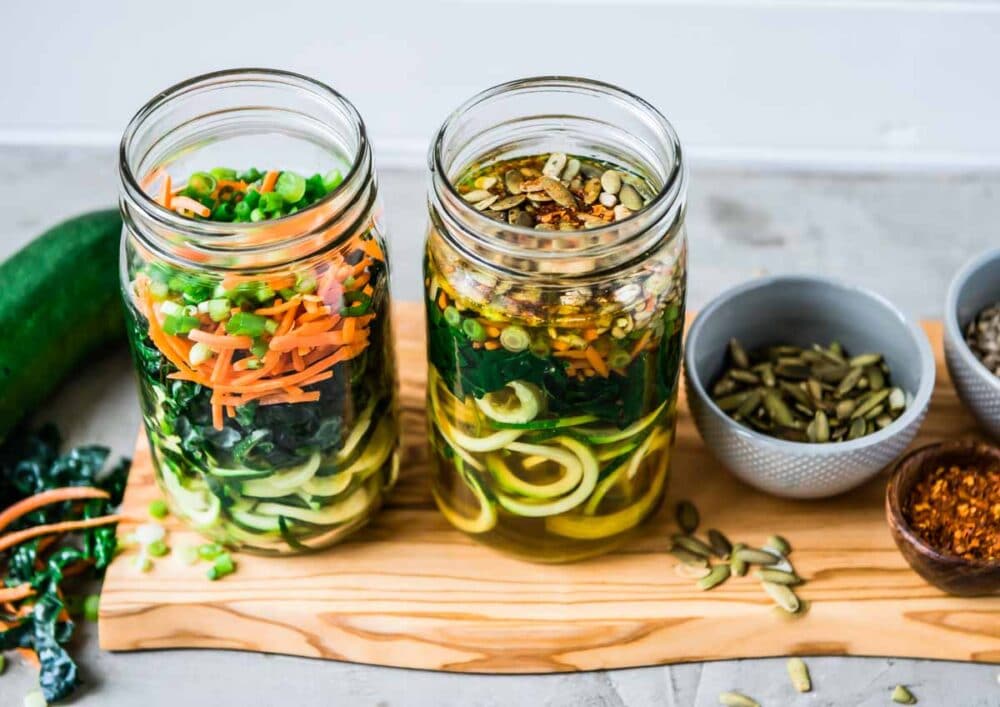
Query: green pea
point(158, 508)
point(209, 551)
point(158, 548)
point(332, 180)
point(91, 607)
point(257, 215)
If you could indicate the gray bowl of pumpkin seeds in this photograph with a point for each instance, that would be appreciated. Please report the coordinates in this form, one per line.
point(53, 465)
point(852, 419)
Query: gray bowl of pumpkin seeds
point(843, 426)
point(972, 336)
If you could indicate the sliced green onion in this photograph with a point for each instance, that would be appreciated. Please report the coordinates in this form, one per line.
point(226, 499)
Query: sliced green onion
point(242, 211)
point(619, 358)
point(514, 338)
point(265, 293)
point(252, 198)
point(540, 347)
point(158, 289)
point(189, 554)
point(158, 548)
point(474, 330)
point(199, 353)
point(172, 309)
point(247, 324)
point(359, 304)
point(305, 284)
point(201, 184)
point(291, 186)
point(271, 202)
point(173, 324)
point(91, 607)
point(158, 508)
point(332, 180)
point(271, 326)
point(251, 175)
point(209, 551)
point(452, 316)
point(222, 566)
point(257, 215)
point(218, 309)
point(258, 349)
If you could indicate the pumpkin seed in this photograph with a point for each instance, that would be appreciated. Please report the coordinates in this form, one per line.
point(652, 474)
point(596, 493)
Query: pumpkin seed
point(591, 190)
point(720, 544)
point(819, 429)
point(783, 596)
point(482, 205)
point(622, 212)
point(559, 193)
point(477, 195)
point(866, 359)
point(738, 566)
point(768, 574)
point(539, 196)
point(876, 379)
point(554, 165)
point(717, 575)
point(630, 197)
point(485, 182)
point(798, 672)
point(572, 169)
point(687, 557)
point(780, 544)
point(508, 202)
point(611, 181)
point(736, 699)
point(692, 544)
point(777, 409)
point(687, 571)
point(897, 399)
point(753, 556)
point(744, 376)
point(902, 696)
point(686, 516)
point(869, 402)
point(858, 429)
point(849, 381)
point(749, 405)
point(513, 179)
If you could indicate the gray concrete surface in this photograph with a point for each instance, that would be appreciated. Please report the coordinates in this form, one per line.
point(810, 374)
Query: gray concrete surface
point(901, 235)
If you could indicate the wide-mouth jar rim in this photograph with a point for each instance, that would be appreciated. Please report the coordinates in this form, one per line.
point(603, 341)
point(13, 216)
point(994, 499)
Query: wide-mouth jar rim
point(671, 194)
point(214, 233)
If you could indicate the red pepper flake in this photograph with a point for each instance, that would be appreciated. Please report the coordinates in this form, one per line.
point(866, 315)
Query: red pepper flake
point(956, 510)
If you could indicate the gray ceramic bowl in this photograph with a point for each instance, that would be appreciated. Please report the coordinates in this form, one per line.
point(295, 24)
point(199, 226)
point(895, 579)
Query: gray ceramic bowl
point(976, 286)
point(803, 310)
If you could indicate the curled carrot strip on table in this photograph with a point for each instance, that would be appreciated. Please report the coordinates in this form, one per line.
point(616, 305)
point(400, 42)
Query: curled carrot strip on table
point(47, 498)
point(21, 591)
point(16, 538)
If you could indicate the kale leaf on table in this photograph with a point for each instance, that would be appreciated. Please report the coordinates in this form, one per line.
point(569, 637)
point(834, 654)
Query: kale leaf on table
point(29, 464)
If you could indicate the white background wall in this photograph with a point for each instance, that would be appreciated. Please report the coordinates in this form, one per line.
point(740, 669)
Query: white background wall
point(844, 84)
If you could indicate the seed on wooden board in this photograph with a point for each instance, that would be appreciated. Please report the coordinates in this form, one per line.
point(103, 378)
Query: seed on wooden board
point(559, 193)
point(630, 197)
point(739, 567)
point(738, 354)
point(477, 195)
point(798, 672)
point(592, 191)
point(782, 595)
point(753, 556)
point(737, 699)
point(686, 515)
point(768, 574)
point(608, 200)
point(485, 182)
point(572, 169)
point(513, 179)
point(508, 202)
point(902, 696)
point(554, 165)
point(720, 543)
point(482, 205)
point(622, 212)
point(688, 557)
point(611, 181)
point(692, 544)
point(717, 575)
point(780, 544)
point(687, 571)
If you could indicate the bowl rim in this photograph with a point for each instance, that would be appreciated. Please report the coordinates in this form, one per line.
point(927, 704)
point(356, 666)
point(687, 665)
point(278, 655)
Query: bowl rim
point(897, 519)
point(952, 328)
point(914, 412)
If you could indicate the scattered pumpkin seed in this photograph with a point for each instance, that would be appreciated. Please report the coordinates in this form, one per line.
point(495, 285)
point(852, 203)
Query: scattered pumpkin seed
point(902, 696)
point(737, 699)
point(687, 516)
point(692, 544)
point(753, 556)
point(720, 544)
point(780, 544)
point(682, 569)
point(716, 576)
point(768, 574)
point(798, 671)
point(738, 566)
point(688, 557)
point(782, 595)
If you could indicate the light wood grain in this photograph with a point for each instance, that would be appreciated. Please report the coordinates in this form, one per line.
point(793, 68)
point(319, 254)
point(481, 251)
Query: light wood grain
point(410, 591)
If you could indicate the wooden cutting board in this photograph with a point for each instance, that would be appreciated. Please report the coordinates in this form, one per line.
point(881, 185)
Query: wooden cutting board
point(410, 591)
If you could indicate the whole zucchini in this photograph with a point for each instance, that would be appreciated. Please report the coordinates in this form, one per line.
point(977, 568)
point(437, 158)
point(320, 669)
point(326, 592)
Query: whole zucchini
point(59, 302)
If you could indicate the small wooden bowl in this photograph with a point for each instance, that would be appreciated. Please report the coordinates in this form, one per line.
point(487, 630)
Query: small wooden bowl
point(955, 575)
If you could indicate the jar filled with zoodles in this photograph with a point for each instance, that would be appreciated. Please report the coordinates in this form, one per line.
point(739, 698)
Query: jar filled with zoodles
point(255, 281)
point(555, 289)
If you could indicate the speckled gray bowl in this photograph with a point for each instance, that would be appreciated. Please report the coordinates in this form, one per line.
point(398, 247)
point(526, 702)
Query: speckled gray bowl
point(803, 310)
point(975, 287)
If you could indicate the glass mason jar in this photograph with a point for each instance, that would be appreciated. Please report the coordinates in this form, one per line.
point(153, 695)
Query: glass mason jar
point(263, 347)
point(554, 353)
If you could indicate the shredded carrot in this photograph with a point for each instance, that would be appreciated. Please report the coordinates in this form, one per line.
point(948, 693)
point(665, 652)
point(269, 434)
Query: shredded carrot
point(492, 345)
point(298, 363)
point(287, 322)
point(570, 353)
point(315, 326)
point(21, 591)
point(361, 280)
point(148, 180)
point(349, 327)
point(220, 341)
point(595, 360)
point(46, 498)
point(166, 195)
point(442, 301)
point(276, 308)
point(230, 184)
point(16, 538)
point(372, 248)
point(292, 341)
point(590, 335)
point(286, 398)
point(270, 179)
point(361, 267)
point(217, 421)
point(182, 203)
